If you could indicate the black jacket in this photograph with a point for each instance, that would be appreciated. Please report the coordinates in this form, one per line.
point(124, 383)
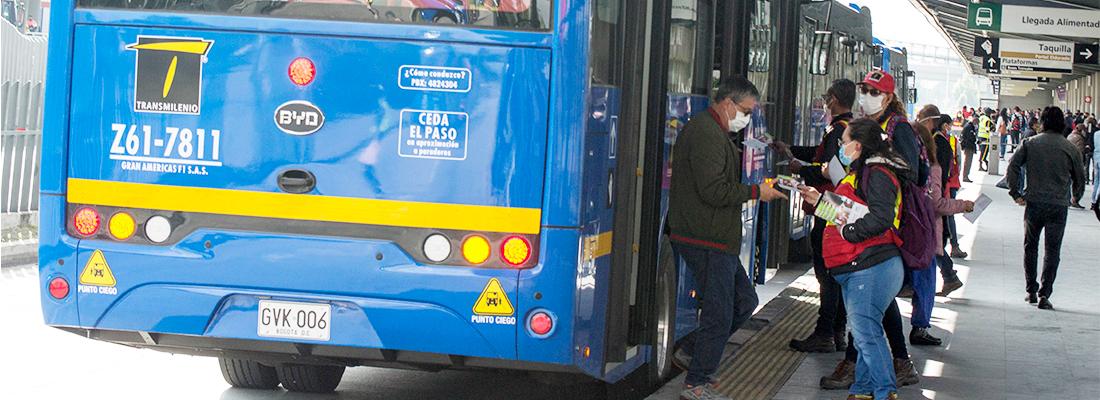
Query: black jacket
point(944, 155)
point(1054, 170)
point(969, 140)
point(905, 142)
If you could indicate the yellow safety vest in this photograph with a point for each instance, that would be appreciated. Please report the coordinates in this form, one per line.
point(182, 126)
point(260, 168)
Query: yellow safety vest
point(985, 125)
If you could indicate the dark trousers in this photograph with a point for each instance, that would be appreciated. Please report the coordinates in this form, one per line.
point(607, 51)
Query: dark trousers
point(949, 223)
point(891, 323)
point(983, 161)
point(1039, 217)
point(968, 158)
point(831, 317)
point(727, 299)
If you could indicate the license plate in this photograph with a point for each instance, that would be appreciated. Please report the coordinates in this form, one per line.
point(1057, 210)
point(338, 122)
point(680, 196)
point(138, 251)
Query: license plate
point(291, 320)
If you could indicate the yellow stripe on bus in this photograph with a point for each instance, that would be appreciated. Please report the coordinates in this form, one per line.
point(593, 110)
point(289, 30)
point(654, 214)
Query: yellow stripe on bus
point(305, 207)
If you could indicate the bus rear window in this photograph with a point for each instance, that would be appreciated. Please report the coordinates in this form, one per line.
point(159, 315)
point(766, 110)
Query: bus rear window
point(504, 14)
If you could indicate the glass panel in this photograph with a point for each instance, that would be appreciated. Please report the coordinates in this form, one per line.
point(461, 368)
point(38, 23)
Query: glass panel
point(690, 50)
point(761, 38)
point(514, 14)
point(605, 42)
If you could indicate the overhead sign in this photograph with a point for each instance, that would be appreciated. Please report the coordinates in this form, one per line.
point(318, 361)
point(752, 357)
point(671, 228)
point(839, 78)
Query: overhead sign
point(1040, 79)
point(1086, 53)
point(986, 47)
point(1036, 56)
point(1075, 22)
point(992, 65)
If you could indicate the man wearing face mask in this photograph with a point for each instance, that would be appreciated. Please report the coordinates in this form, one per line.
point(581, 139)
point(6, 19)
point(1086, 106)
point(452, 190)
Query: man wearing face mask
point(704, 215)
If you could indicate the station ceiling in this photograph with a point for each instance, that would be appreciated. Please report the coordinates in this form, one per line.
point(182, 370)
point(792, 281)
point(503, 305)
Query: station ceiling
point(949, 16)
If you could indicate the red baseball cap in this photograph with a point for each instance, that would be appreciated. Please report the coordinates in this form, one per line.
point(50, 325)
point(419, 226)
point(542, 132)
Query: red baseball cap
point(879, 80)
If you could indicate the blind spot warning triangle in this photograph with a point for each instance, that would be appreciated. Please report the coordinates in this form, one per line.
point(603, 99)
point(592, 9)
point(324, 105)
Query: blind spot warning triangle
point(493, 300)
point(96, 272)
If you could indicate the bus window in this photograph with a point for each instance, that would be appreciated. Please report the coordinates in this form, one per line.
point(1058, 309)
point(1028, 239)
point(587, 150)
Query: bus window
point(689, 47)
point(514, 14)
point(605, 42)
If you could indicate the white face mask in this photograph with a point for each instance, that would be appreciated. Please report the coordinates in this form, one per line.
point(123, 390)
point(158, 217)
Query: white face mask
point(871, 104)
point(739, 122)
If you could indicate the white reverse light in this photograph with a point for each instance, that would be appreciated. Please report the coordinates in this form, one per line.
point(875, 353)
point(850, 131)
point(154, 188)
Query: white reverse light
point(157, 229)
point(437, 248)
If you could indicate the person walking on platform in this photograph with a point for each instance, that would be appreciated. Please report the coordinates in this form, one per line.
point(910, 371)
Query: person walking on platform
point(1077, 137)
point(704, 215)
point(985, 127)
point(863, 255)
point(969, 144)
point(830, 333)
point(1054, 173)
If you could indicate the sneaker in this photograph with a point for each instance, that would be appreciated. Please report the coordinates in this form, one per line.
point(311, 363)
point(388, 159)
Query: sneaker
point(1032, 298)
point(813, 344)
point(921, 337)
point(1044, 303)
point(681, 359)
point(905, 372)
point(842, 378)
point(967, 180)
point(840, 340)
point(704, 392)
point(956, 253)
point(1076, 205)
point(906, 292)
point(949, 287)
point(853, 396)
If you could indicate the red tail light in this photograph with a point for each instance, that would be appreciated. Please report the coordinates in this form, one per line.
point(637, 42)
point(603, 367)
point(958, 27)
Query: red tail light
point(541, 323)
point(515, 250)
point(59, 288)
point(86, 221)
point(302, 71)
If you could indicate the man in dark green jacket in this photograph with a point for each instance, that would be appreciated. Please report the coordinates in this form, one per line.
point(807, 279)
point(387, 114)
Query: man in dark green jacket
point(704, 215)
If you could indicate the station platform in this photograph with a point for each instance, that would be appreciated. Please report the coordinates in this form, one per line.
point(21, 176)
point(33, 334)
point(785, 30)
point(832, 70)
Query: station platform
point(995, 344)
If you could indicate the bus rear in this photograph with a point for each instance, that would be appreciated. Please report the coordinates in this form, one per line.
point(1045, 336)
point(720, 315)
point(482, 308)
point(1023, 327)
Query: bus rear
point(306, 184)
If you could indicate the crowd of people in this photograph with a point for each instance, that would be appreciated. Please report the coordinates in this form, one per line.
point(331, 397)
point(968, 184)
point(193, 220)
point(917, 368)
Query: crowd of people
point(906, 174)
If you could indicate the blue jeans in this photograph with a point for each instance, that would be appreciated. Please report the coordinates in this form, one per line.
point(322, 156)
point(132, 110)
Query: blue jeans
point(727, 299)
point(867, 294)
point(924, 295)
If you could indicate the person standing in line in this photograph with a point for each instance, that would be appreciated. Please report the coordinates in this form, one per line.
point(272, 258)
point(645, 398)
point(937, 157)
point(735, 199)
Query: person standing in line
point(1030, 131)
point(829, 333)
point(985, 128)
point(1002, 129)
point(953, 186)
point(923, 282)
point(863, 255)
point(1054, 172)
point(1077, 137)
point(969, 146)
point(704, 215)
point(1096, 173)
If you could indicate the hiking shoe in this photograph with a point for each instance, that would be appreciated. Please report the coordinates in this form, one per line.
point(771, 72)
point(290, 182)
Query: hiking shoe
point(905, 372)
point(949, 287)
point(957, 253)
point(1032, 298)
point(906, 292)
point(1044, 303)
point(843, 376)
point(703, 392)
point(840, 340)
point(921, 337)
point(813, 344)
point(681, 359)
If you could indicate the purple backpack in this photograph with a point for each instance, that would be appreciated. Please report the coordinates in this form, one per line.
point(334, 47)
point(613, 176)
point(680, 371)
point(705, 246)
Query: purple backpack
point(917, 231)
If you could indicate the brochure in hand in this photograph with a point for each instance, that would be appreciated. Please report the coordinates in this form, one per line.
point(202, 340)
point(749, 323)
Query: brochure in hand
point(788, 182)
point(980, 204)
point(838, 209)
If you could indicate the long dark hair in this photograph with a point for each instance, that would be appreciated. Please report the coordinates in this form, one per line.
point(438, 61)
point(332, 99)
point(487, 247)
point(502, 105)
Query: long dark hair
point(870, 135)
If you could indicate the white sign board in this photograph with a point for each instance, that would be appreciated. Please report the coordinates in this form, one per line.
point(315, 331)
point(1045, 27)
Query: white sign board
point(1036, 56)
point(1050, 21)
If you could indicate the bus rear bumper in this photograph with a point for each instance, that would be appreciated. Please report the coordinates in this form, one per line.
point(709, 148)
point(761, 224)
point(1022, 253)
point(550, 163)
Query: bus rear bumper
point(276, 352)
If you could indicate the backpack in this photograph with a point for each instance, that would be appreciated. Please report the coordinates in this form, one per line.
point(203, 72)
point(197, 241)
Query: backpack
point(917, 230)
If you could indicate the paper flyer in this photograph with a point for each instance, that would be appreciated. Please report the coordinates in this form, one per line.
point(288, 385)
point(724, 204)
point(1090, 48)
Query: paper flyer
point(836, 171)
point(980, 204)
point(788, 182)
point(839, 210)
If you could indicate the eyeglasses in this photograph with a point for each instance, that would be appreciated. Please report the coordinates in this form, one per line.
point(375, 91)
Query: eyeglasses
point(870, 90)
point(743, 108)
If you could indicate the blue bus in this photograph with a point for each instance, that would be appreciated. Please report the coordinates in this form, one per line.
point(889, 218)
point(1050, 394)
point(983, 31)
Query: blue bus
point(300, 187)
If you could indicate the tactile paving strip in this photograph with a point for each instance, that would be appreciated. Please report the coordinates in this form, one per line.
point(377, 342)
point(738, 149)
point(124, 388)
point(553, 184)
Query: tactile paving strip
point(765, 362)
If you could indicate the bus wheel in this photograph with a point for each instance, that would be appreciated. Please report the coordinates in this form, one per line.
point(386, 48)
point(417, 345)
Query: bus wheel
point(248, 374)
point(310, 378)
point(664, 316)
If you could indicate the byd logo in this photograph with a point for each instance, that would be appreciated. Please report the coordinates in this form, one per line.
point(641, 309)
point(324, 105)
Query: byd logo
point(299, 118)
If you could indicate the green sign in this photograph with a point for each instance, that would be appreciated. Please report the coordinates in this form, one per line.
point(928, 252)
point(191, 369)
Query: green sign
point(983, 16)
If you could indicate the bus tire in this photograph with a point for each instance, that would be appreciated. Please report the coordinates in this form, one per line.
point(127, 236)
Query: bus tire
point(248, 374)
point(664, 315)
point(310, 378)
